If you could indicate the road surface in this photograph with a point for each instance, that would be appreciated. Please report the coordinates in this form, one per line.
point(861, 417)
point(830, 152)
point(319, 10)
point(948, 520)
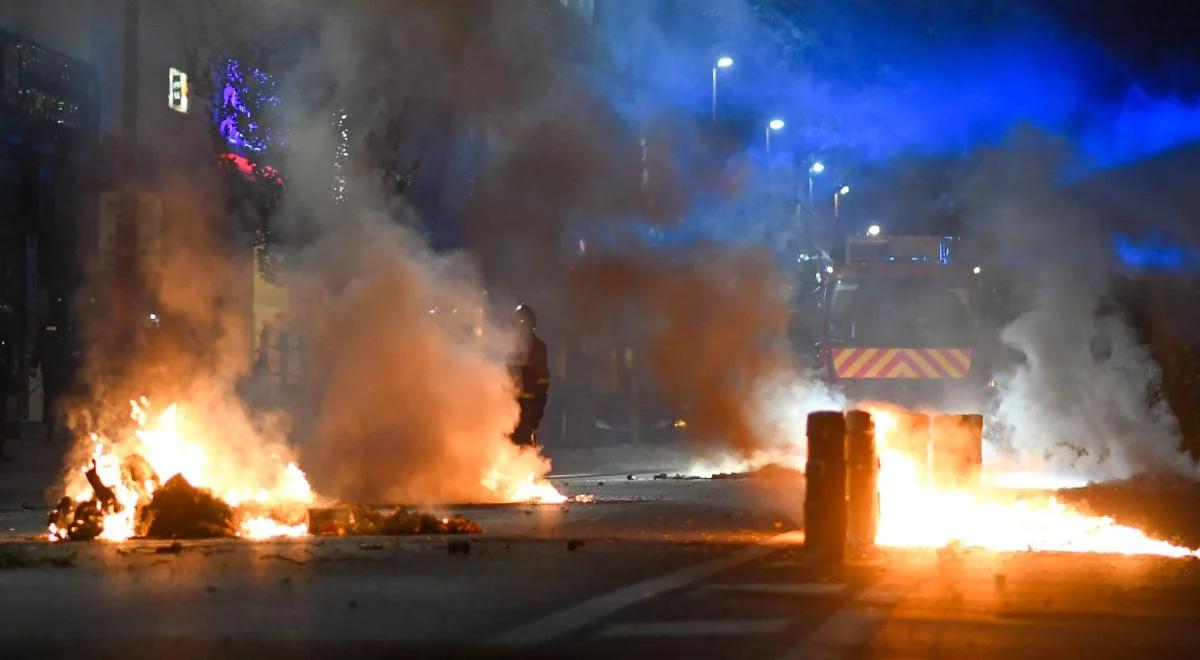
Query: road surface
point(653, 568)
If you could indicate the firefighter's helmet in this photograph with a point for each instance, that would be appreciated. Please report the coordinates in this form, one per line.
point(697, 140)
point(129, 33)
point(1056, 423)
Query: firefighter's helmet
point(525, 315)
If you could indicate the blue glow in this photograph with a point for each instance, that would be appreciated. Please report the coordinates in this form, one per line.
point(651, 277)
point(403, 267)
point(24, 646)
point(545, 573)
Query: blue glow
point(919, 79)
point(1155, 252)
point(242, 100)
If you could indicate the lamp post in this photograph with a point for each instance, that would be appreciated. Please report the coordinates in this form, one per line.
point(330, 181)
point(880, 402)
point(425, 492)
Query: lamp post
point(723, 62)
point(837, 216)
point(772, 126)
point(813, 170)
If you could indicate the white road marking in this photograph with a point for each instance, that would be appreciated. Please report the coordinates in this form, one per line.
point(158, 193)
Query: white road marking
point(841, 633)
point(722, 627)
point(781, 588)
point(570, 619)
point(850, 628)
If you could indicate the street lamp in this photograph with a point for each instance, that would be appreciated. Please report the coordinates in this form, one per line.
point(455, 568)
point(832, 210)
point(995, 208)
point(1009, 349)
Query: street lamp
point(837, 217)
point(813, 170)
point(874, 230)
point(723, 62)
point(773, 125)
point(842, 192)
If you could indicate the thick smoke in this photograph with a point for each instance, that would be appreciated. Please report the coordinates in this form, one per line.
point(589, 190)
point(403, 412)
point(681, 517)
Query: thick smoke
point(415, 403)
point(711, 324)
point(411, 397)
point(180, 336)
point(1084, 397)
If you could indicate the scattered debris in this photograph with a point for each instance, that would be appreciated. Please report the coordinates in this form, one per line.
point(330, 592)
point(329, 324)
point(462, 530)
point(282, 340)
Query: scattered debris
point(26, 506)
point(574, 544)
point(629, 477)
point(679, 477)
point(769, 471)
point(370, 546)
point(459, 547)
point(173, 549)
point(179, 510)
point(358, 520)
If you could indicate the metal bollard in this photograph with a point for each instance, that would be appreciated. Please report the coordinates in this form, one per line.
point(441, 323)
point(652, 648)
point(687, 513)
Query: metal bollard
point(862, 478)
point(957, 450)
point(825, 488)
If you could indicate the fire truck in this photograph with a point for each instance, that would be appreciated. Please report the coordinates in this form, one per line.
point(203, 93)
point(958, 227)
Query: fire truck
point(899, 323)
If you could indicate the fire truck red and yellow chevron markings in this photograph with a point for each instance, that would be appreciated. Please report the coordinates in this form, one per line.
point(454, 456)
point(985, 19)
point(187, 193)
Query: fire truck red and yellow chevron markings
point(901, 362)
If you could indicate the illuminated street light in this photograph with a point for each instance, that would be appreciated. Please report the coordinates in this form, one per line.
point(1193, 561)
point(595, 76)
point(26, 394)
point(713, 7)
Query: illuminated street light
point(773, 125)
point(723, 62)
point(874, 230)
point(837, 214)
point(813, 170)
point(977, 270)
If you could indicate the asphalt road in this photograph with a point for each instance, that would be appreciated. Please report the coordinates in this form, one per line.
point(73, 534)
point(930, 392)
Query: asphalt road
point(688, 569)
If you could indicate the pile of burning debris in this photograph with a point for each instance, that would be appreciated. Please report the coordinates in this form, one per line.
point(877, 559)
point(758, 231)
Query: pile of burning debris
point(176, 510)
point(179, 510)
point(170, 475)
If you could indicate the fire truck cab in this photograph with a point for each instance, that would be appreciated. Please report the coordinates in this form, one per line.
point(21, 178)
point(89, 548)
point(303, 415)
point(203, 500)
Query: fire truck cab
point(898, 324)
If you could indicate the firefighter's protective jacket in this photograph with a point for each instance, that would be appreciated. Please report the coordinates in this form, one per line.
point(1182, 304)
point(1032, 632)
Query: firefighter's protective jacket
point(530, 369)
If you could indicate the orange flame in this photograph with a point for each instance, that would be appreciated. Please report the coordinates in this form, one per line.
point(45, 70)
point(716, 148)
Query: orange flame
point(172, 444)
point(915, 512)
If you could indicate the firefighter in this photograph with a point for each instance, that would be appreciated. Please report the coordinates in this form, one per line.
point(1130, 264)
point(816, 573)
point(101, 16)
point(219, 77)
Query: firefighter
point(530, 369)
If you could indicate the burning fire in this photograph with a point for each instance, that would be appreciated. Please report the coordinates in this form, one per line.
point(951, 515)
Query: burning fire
point(269, 495)
point(513, 477)
point(916, 512)
point(259, 486)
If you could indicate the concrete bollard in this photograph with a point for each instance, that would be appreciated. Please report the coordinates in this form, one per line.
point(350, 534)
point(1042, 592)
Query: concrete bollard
point(825, 488)
point(957, 450)
point(862, 479)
